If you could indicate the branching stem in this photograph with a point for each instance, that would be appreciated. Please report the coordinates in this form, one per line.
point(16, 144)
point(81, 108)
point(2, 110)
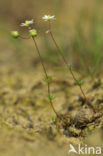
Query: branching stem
point(24, 37)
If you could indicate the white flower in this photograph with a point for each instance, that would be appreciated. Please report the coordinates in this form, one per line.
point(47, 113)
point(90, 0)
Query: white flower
point(27, 23)
point(48, 17)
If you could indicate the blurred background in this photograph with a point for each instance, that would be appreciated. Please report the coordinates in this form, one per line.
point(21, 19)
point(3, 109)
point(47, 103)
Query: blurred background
point(78, 29)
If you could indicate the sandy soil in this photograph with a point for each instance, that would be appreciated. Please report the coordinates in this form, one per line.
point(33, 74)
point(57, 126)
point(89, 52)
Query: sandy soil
point(26, 126)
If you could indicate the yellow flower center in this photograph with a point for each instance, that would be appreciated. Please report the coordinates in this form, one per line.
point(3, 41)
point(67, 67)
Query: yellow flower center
point(26, 22)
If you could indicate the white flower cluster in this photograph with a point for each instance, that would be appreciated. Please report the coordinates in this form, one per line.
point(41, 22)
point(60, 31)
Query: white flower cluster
point(27, 23)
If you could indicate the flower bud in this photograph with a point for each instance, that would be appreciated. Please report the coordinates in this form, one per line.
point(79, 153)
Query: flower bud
point(15, 34)
point(33, 33)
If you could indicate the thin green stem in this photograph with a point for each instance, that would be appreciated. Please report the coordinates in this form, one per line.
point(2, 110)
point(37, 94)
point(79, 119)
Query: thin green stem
point(24, 37)
point(46, 75)
point(70, 69)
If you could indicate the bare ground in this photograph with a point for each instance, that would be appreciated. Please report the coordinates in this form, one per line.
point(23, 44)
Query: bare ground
point(26, 126)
